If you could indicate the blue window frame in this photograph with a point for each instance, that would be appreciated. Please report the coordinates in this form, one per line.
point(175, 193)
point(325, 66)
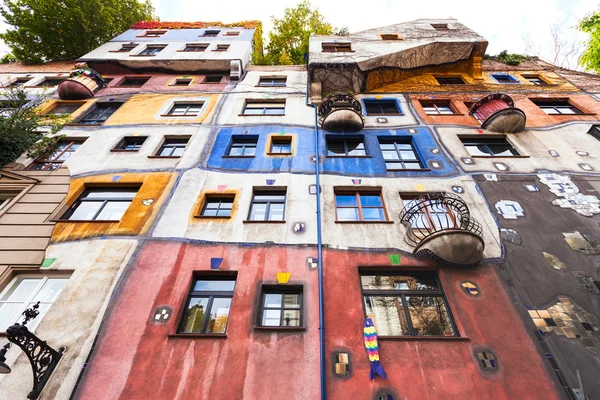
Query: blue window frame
point(505, 78)
point(381, 107)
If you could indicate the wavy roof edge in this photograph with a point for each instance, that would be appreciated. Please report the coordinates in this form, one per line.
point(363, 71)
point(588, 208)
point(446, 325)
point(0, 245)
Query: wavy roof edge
point(250, 24)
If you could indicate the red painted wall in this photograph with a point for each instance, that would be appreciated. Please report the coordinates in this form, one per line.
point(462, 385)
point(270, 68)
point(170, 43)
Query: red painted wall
point(136, 359)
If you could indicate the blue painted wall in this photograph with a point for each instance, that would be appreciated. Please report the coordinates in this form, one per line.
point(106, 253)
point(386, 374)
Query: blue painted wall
point(302, 159)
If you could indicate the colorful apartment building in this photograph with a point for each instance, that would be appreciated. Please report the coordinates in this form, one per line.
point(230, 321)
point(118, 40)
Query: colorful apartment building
point(212, 229)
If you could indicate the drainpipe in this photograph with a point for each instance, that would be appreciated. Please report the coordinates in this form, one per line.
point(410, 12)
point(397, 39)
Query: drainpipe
point(319, 245)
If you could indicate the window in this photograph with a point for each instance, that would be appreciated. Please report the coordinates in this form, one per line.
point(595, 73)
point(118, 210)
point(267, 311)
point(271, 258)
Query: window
point(232, 33)
point(281, 146)
point(336, 47)
point(7, 107)
point(213, 79)
point(182, 82)
point(440, 27)
point(100, 113)
point(434, 217)
point(172, 147)
point(151, 50)
point(131, 143)
point(18, 82)
point(263, 107)
point(267, 205)
point(23, 292)
point(126, 48)
point(134, 81)
point(208, 305)
point(222, 47)
point(281, 306)
point(211, 33)
point(595, 131)
point(556, 106)
point(489, 147)
point(193, 47)
point(217, 206)
point(64, 149)
point(243, 146)
point(154, 33)
point(390, 36)
point(343, 146)
point(5, 198)
point(449, 80)
point(107, 80)
point(505, 78)
point(101, 204)
point(272, 81)
point(186, 109)
point(436, 107)
point(359, 206)
point(381, 107)
point(61, 108)
point(535, 79)
point(399, 154)
point(408, 304)
point(50, 82)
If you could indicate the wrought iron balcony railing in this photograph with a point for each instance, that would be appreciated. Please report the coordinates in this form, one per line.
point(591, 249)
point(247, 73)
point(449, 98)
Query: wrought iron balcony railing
point(341, 112)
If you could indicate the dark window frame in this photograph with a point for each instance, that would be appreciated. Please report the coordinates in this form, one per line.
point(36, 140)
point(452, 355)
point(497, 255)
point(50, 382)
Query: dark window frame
point(390, 36)
point(509, 80)
point(269, 203)
point(154, 33)
point(59, 104)
point(345, 139)
point(136, 141)
point(278, 105)
point(241, 141)
point(440, 27)
point(380, 103)
point(437, 105)
point(283, 290)
point(440, 292)
point(51, 81)
point(336, 47)
point(125, 48)
point(107, 108)
point(82, 198)
point(556, 105)
point(486, 142)
point(198, 276)
point(222, 198)
point(20, 81)
point(450, 80)
point(212, 79)
point(148, 50)
point(182, 82)
point(187, 106)
point(359, 206)
point(272, 81)
point(396, 141)
point(48, 164)
point(195, 47)
point(134, 81)
point(222, 47)
point(535, 80)
point(211, 33)
point(283, 139)
point(172, 143)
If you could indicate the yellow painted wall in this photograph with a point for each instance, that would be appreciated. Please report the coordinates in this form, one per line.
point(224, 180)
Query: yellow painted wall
point(136, 220)
point(144, 108)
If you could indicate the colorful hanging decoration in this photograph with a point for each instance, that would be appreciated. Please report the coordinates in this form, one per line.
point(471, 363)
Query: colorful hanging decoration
point(373, 350)
point(82, 69)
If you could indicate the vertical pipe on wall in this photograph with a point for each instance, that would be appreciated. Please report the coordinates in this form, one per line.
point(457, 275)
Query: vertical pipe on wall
point(319, 244)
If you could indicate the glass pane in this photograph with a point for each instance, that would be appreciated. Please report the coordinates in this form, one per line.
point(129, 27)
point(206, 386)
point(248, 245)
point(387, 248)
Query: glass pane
point(271, 318)
point(291, 318)
point(249, 151)
point(253, 111)
point(408, 155)
point(194, 315)
point(21, 289)
point(178, 151)
point(113, 211)
point(51, 289)
point(412, 165)
point(108, 194)
point(8, 314)
point(390, 155)
point(165, 151)
point(273, 300)
point(274, 111)
point(370, 200)
point(219, 315)
point(500, 150)
point(343, 200)
point(276, 212)
point(387, 146)
point(214, 286)
point(387, 314)
point(86, 210)
point(347, 214)
point(429, 316)
point(373, 214)
point(258, 212)
point(269, 197)
point(210, 213)
point(399, 282)
point(475, 150)
point(566, 110)
point(291, 300)
point(236, 151)
point(224, 213)
point(335, 148)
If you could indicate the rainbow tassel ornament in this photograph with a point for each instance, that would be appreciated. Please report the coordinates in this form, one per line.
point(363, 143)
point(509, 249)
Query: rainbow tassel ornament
point(373, 350)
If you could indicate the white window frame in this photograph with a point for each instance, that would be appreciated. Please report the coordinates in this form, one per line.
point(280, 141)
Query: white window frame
point(163, 112)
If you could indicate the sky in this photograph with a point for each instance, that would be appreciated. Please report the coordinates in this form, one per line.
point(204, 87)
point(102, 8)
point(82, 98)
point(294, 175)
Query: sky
point(519, 26)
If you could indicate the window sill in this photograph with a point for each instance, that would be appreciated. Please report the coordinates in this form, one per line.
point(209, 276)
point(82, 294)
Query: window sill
point(279, 328)
point(123, 151)
point(364, 222)
point(76, 124)
point(208, 217)
point(367, 156)
point(220, 51)
point(484, 157)
point(119, 51)
point(178, 116)
point(271, 86)
point(190, 51)
point(409, 170)
point(142, 55)
point(418, 338)
point(198, 336)
point(281, 154)
point(446, 115)
point(238, 156)
point(571, 115)
point(384, 115)
point(261, 115)
point(169, 157)
point(105, 221)
point(249, 221)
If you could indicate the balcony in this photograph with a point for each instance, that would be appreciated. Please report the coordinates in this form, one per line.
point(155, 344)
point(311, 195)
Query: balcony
point(440, 226)
point(341, 113)
point(83, 82)
point(497, 113)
